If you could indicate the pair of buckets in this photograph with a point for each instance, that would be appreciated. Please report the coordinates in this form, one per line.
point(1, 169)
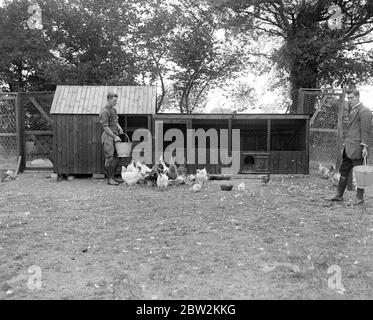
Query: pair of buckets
point(363, 175)
point(123, 148)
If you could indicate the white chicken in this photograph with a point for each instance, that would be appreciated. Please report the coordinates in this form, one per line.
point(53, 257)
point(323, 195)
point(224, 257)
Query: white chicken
point(241, 186)
point(323, 171)
point(162, 181)
point(144, 169)
point(130, 176)
point(131, 166)
point(197, 187)
point(179, 180)
point(201, 175)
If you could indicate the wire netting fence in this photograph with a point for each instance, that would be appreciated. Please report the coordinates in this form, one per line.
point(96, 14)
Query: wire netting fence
point(325, 137)
point(8, 132)
point(38, 128)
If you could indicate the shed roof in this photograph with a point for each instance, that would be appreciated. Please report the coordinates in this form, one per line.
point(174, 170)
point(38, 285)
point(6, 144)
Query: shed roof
point(91, 99)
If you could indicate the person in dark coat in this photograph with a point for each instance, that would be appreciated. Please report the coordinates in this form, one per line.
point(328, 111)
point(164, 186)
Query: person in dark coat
point(355, 144)
point(112, 130)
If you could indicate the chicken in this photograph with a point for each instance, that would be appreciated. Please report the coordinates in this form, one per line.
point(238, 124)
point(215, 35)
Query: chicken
point(162, 181)
point(265, 179)
point(179, 180)
point(143, 168)
point(190, 179)
point(165, 168)
point(131, 166)
point(334, 178)
point(181, 170)
point(131, 176)
point(241, 186)
point(197, 187)
point(323, 171)
point(155, 171)
point(201, 175)
point(7, 176)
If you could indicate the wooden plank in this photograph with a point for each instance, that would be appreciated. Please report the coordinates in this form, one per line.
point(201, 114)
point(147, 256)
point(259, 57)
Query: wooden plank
point(54, 155)
point(80, 142)
point(41, 110)
point(58, 139)
point(11, 135)
point(307, 142)
point(269, 123)
point(55, 101)
point(213, 116)
point(64, 139)
point(7, 98)
point(77, 138)
point(20, 122)
point(39, 132)
point(70, 144)
point(18, 168)
point(324, 130)
point(92, 145)
point(230, 137)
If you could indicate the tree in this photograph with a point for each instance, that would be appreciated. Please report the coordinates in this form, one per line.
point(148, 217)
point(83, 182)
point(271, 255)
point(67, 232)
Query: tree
point(23, 51)
point(313, 53)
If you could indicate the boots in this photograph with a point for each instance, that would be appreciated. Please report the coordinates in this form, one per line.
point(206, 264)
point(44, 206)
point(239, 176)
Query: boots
point(114, 168)
point(359, 197)
point(110, 176)
point(342, 184)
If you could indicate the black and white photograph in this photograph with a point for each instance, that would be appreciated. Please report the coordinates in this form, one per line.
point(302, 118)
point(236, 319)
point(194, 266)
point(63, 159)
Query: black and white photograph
point(200, 152)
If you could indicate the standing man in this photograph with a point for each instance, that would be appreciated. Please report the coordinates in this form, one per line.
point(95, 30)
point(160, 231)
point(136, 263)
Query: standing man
point(355, 146)
point(112, 130)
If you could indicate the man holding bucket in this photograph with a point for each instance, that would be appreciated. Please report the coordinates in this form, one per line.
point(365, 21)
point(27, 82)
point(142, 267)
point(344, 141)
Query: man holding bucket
point(355, 146)
point(112, 130)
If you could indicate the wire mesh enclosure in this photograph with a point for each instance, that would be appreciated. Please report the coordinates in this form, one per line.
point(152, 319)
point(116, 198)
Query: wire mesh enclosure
point(326, 124)
point(38, 138)
point(8, 132)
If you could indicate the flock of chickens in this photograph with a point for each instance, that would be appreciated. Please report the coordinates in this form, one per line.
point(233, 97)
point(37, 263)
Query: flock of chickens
point(162, 175)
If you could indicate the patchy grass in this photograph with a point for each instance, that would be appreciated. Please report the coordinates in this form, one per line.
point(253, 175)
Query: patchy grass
point(94, 241)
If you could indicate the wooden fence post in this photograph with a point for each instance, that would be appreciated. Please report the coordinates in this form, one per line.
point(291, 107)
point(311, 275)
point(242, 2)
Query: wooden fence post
point(20, 122)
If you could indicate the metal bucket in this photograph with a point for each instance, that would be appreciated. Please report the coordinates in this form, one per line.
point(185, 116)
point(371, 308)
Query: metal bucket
point(363, 175)
point(123, 148)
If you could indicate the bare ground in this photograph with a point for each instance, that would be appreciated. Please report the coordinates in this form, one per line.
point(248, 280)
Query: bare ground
point(94, 241)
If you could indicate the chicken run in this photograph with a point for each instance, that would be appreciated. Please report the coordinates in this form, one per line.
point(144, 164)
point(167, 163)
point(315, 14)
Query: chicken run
point(161, 175)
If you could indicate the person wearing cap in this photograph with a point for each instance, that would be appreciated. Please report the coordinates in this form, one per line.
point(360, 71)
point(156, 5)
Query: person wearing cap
point(109, 122)
point(355, 146)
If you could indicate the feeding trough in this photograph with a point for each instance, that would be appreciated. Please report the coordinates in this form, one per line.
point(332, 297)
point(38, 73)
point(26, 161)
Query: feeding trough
point(226, 187)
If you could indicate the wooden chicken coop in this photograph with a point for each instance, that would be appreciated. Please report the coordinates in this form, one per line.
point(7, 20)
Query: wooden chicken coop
point(269, 143)
point(76, 127)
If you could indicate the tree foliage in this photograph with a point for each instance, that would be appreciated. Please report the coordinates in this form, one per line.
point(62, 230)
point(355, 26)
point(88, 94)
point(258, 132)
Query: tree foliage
point(313, 53)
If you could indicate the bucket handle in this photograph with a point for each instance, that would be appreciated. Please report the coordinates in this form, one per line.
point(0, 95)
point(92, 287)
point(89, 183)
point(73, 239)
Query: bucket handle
point(126, 136)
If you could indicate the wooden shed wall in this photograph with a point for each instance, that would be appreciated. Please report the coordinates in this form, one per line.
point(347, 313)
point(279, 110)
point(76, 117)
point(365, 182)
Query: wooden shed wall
point(77, 144)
